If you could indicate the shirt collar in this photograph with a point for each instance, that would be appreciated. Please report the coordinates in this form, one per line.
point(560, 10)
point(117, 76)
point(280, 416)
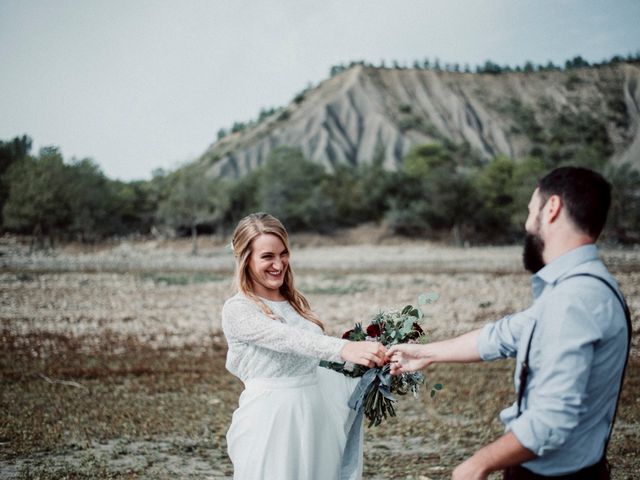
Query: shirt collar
point(551, 272)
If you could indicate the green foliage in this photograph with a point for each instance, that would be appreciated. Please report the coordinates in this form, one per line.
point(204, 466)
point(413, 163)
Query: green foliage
point(135, 206)
point(495, 187)
point(572, 81)
point(242, 198)
point(504, 188)
point(39, 201)
point(576, 62)
point(265, 113)
point(412, 121)
point(47, 197)
point(238, 127)
point(284, 115)
point(490, 67)
point(524, 119)
point(442, 190)
point(10, 153)
point(93, 200)
point(525, 178)
point(359, 192)
point(436, 195)
point(578, 138)
point(291, 188)
point(623, 223)
point(192, 200)
point(422, 159)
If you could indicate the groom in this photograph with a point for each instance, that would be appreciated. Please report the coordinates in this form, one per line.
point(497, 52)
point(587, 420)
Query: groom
point(572, 342)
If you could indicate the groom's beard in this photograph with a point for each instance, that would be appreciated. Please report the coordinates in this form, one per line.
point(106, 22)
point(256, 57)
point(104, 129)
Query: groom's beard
point(532, 254)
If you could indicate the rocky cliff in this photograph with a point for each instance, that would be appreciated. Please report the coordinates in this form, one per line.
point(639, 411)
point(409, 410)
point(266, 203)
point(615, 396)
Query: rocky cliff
point(367, 112)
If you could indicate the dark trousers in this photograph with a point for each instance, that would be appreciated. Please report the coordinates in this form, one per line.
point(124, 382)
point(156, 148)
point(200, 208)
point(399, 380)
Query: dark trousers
point(599, 471)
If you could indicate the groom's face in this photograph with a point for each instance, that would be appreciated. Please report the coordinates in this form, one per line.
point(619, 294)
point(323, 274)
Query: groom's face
point(532, 256)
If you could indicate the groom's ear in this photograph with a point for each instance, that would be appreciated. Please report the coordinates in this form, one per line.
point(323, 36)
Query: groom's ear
point(553, 207)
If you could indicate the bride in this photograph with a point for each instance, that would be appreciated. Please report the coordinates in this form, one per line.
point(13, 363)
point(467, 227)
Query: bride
point(293, 420)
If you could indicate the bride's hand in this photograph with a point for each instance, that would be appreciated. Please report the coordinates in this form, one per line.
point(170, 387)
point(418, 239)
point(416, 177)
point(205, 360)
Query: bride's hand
point(368, 354)
point(407, 358)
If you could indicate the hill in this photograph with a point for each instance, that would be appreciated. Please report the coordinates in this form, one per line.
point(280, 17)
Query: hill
point(366, 112)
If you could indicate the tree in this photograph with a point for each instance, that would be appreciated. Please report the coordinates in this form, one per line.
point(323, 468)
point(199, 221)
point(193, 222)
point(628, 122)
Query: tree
point(359, 192)
point(11, 152)
point(93, 212)
point(135, 206)
point(494, 182)
point(435, 195)
point(490, 67)
point(39, 200)
point(526, 173)
point(292, 188)
point(452, 202)
point(576, 62)
point(421, 159)
point(192, 199)
point(623, 223)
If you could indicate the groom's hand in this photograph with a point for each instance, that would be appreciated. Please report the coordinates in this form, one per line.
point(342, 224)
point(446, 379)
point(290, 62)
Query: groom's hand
point(407, 358)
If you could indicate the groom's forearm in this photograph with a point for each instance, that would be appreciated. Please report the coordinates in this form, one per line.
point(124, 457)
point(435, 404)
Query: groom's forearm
point(462, 349)
point(505, 452)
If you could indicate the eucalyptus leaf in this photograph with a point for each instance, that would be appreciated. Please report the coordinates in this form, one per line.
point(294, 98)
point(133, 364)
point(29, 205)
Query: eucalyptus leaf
point(407, 327)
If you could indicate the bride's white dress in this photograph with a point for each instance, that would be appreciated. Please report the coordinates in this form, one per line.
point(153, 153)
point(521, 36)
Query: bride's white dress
point(293, 419)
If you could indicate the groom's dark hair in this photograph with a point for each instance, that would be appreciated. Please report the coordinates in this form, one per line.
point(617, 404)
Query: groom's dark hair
point(585, 194)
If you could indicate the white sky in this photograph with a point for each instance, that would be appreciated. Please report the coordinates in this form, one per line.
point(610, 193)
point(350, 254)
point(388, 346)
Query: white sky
point(142, 84)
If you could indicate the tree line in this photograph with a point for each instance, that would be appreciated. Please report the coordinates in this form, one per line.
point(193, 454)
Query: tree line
point(488, 66)
point(440, 192)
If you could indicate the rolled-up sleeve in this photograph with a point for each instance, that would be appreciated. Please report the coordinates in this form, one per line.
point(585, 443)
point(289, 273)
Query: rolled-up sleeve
point(565, 347)
point(500, 339)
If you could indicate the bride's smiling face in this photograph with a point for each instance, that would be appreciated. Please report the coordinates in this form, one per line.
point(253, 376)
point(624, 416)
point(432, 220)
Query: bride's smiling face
point(268, 265)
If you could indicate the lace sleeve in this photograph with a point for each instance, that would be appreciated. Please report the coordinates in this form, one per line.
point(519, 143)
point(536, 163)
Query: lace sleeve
point(243, 321)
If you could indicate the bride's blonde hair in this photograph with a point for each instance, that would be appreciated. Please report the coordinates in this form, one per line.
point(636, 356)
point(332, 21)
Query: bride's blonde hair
point(249, 228)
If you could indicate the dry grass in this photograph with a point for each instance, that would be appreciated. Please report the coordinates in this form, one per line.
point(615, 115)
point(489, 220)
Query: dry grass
point(146, 392)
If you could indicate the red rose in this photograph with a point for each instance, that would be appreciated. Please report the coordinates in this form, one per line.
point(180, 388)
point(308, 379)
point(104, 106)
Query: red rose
point(373, 330)
point(347, 334)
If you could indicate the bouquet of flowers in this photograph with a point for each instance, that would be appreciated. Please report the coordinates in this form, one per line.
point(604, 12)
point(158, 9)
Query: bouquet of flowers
point(377, 386)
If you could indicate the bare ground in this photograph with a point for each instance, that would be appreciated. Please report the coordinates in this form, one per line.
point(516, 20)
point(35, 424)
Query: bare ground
point(112, 361)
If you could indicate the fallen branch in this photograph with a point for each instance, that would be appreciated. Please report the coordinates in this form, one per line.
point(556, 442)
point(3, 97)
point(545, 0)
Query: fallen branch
point(62, 382)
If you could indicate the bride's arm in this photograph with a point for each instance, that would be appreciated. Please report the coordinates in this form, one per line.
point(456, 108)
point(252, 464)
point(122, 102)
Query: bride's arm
point(243, 321)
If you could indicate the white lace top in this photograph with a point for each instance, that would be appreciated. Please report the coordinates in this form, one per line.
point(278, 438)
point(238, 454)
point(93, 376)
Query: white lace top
point(261, 347)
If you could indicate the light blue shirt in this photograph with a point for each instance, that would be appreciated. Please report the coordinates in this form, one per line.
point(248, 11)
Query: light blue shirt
point(577, 355)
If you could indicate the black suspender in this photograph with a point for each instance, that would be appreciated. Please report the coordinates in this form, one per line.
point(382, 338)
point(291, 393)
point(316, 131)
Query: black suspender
point(524, 370)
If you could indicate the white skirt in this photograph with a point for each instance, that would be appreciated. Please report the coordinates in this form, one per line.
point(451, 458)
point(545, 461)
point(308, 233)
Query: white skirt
point(292, 428)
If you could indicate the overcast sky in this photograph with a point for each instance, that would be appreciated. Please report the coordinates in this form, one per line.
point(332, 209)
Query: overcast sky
point(138, 85)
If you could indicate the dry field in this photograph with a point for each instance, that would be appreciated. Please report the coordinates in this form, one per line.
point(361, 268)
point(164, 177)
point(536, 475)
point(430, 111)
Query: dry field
point(112, 360)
